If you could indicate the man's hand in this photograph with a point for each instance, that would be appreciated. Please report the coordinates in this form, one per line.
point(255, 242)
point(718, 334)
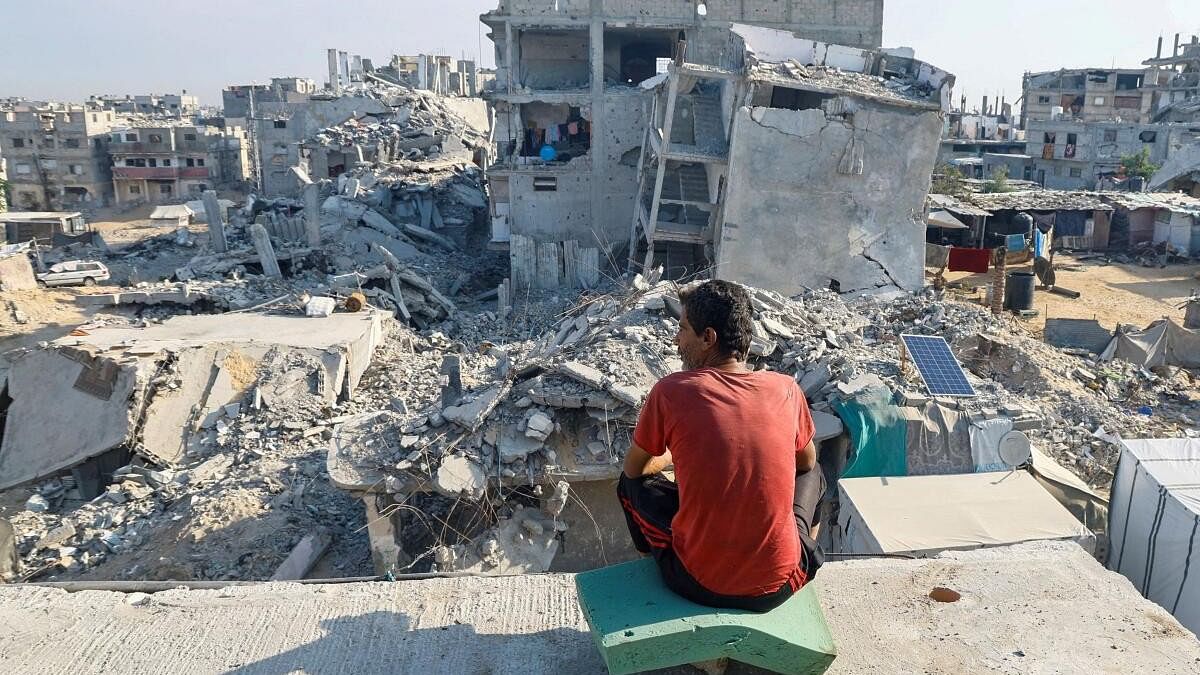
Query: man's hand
point(640, 463)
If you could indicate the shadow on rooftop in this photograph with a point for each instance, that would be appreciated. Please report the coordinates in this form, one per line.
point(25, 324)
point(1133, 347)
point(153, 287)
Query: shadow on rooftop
point(387, 642)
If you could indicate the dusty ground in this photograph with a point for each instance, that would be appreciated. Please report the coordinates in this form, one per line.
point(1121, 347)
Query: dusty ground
point(1036, 608)
point(1112, 293)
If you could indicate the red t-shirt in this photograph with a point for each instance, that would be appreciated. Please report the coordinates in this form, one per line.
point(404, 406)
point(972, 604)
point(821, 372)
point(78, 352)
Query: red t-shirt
point(735, 438)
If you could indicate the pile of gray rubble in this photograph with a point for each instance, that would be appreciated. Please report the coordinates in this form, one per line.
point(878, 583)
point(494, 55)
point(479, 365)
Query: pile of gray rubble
point(480, 432)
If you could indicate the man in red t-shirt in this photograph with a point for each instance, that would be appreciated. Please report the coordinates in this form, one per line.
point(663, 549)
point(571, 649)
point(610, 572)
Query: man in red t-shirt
point(735, 530)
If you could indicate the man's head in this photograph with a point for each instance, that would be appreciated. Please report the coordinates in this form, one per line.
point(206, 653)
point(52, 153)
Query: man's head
point(716, 325)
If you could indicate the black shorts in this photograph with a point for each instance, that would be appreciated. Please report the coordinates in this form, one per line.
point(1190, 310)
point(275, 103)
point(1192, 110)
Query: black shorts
point(650, 504)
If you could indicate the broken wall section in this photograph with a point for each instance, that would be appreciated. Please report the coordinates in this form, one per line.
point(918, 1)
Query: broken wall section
point(816, 198)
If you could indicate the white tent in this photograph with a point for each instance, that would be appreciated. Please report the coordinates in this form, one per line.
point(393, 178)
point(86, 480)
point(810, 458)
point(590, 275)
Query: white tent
point(172, 214)
point(1154, 523)
point(925, 515)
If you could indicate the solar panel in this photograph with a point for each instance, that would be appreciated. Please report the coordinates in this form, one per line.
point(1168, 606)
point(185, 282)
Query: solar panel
point(940, 371)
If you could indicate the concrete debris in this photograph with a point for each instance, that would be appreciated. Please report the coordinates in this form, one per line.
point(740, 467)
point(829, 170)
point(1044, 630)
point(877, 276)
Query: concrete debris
point(458, 475)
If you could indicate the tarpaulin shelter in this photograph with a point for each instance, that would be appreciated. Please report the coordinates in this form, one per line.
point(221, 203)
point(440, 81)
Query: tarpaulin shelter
point(1154, 523)
point(925, 515)
point(1164, 343)
point(944, 220)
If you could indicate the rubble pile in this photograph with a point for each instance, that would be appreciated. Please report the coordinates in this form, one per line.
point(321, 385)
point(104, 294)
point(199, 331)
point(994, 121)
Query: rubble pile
point(481, 431)
point(563, 406)
point(419, 127)
point(896, 89)
point(253, 487)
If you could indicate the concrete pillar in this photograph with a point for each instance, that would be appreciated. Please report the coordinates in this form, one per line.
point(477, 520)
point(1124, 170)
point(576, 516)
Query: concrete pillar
point(312, 214)
point(385, 552)
point(266, 252)
point(216, 221)
point(344, 67)
point(335, 84)
point(356, 68)
point(599, 152)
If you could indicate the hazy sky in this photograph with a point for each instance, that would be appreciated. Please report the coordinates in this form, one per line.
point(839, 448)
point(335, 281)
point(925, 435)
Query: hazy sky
point(68, 49)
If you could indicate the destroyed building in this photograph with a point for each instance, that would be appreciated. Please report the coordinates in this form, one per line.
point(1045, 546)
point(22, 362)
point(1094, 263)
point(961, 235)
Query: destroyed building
point(990, 129)
point(235, 99)
point(280, 127)
point(1180, 104)
point(439, 74)
point(1180, 81)
point(158, 162)
point(57, 155)
point(571, 120)
point(805, 167)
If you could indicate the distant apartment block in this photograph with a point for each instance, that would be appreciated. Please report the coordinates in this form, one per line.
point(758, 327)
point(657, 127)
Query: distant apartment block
point(1091, 94)
point(57, 155)
point(159, 105)
point(158, 163)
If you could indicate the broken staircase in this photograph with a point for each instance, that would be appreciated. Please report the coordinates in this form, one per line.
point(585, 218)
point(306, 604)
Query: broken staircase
point(684, 155)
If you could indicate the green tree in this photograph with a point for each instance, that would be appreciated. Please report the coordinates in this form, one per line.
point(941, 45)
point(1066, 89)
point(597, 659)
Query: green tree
point(999, 181)
point(1139, 165)
point(948, 180)
point(3, 195)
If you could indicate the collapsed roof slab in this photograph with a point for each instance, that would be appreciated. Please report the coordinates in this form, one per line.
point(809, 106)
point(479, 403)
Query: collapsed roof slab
point(69, 405)
point(1034, 608)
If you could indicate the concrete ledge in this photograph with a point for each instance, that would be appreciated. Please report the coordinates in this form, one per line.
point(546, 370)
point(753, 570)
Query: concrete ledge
point(1032, 608)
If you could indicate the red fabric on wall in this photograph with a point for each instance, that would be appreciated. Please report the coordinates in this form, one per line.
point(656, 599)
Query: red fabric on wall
point(970, 259)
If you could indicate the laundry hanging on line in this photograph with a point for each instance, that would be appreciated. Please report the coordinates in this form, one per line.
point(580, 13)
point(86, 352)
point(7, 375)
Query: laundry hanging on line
point(976, 260)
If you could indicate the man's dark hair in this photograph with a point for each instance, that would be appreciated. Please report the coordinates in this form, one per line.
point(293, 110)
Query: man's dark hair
point(724, 307)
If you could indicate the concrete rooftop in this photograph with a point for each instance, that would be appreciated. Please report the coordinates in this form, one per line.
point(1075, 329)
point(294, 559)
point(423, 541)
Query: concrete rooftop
point(1034, 608)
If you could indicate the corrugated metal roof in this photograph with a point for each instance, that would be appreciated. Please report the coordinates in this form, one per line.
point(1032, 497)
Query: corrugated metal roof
point(956, 205)
point(1039, 200)
point(1170, 201)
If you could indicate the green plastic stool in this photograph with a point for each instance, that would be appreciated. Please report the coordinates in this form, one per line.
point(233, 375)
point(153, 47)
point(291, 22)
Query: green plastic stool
point(639, 624)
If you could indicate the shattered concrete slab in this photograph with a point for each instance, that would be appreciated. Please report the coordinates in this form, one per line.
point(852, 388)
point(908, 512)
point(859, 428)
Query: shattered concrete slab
point(67, 406)
point(161, 387)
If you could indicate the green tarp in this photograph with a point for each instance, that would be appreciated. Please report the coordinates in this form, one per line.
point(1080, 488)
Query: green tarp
point(879, 433)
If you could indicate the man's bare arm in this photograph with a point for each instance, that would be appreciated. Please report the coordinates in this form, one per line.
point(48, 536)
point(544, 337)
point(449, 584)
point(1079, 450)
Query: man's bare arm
point(806, 460)
point(640, 463)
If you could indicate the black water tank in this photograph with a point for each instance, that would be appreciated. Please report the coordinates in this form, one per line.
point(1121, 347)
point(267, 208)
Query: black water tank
point(1018, 291)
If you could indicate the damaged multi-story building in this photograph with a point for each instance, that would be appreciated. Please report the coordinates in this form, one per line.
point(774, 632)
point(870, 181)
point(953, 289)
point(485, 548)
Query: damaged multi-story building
point(440, 74)
point(159, 162)
point(1091, 94)
point(179, 105)
point(1079, 124)
point(57, 155)
point(579, 137)
point(236, 99)
point(971, 133)
point(1179, 104)
point(807, 166)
